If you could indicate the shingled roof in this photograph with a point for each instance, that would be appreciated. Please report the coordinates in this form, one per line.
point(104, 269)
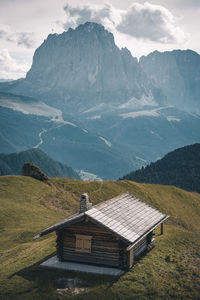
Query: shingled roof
point(125, 216)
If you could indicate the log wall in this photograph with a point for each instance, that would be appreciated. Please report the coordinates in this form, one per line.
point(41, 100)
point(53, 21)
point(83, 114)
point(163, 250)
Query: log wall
point(105, 248)
point(140, 247)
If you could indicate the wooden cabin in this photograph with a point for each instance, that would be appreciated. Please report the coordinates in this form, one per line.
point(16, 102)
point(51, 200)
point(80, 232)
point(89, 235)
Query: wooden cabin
point(112, 233)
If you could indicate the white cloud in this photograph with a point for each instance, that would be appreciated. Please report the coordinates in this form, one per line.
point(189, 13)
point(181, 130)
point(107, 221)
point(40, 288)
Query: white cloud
point(151, 22)
point(9, 68)
point(142, 21)
point(104, 14)
point(19, 38)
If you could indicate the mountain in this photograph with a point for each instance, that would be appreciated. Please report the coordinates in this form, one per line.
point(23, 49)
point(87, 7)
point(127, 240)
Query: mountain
point(180, 167)
point(109, 145)
point(29, 123)
point(147, 134)
point(87, 103)
point(83, 67)
point(177, 74)
point(169, 271)
point(11, 164)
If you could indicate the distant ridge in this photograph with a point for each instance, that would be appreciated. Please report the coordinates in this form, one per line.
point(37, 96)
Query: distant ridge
point(11, 164)
point(180, 167)
point(176, 73)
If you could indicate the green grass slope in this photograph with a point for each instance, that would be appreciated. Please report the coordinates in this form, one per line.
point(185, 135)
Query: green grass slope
point(169, 270)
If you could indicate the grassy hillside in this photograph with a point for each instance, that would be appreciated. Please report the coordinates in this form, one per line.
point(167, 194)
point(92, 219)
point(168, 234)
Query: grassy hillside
point(180, 167)
point(169, 270)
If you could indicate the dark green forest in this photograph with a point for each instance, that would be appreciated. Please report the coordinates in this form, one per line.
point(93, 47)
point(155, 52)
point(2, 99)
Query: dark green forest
point(180, 167)
point(11, 164)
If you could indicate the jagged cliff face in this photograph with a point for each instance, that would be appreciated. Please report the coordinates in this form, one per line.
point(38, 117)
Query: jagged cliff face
point(177, 74)
point(83, 68)
point(85, 65)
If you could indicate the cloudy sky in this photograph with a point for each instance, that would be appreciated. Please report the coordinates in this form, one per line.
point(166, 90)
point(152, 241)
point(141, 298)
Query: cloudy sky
point(140, 26)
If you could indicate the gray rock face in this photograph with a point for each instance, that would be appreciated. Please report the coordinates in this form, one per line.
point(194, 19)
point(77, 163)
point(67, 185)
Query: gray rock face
point(84, 67)
point(30, 169)
point(177, 74)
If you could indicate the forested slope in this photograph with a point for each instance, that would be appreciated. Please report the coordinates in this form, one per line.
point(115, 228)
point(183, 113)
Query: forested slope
point(180, 167)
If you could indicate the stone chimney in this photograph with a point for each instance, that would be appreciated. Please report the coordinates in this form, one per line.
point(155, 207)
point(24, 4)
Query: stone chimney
point(85, 204)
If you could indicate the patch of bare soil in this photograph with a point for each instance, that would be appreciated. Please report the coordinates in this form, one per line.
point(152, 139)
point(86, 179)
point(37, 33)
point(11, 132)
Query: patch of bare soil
point(73, 286)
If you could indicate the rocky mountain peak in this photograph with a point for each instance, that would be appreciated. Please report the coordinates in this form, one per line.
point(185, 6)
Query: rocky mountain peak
point(82, 68)
point(83, 31)
point(177, 74)
point(91, 26)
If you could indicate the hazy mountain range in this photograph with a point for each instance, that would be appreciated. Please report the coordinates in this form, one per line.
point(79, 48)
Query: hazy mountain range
point(99, 109)
point(11, 164)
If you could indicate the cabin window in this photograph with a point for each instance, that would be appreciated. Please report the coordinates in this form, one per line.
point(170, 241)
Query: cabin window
point(83, 243)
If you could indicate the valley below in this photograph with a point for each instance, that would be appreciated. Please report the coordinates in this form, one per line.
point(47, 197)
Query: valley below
point(107, 144)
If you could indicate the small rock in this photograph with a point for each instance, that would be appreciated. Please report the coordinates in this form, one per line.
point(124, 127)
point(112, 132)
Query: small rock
point(30, 169)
